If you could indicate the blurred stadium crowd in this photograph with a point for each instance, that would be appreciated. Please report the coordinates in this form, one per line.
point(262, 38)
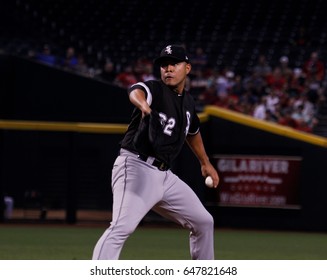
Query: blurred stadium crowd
point(261, 58)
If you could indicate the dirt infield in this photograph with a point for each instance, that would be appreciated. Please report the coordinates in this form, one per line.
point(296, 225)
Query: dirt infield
point(58, 216)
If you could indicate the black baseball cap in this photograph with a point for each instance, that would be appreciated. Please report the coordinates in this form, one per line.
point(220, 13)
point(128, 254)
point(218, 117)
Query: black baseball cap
point(174, 52)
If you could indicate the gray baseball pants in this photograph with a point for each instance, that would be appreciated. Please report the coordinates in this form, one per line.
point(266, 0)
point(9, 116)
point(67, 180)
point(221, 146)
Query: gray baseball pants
point(139, 187)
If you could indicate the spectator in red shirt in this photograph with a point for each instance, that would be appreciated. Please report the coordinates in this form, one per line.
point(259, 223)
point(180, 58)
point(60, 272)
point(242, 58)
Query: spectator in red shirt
point(276, 81)
point(126, 78)
point(314, 68)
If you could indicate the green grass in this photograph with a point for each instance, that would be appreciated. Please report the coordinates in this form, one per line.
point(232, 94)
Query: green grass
point(77, 242)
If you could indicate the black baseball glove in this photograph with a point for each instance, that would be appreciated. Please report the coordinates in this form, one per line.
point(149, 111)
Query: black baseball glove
point(148, 137)
point(155, 129)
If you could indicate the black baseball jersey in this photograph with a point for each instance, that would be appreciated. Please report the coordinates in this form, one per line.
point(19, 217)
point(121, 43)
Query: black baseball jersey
point(177, 114)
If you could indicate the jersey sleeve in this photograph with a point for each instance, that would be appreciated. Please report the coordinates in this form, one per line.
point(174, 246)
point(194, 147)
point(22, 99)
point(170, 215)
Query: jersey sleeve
point(195, 125)
point(145, 88)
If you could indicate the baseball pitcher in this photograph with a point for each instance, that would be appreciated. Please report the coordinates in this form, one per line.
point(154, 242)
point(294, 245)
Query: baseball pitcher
point(163, 119)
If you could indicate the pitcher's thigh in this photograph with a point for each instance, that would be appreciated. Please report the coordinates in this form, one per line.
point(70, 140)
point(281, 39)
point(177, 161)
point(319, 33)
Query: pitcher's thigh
point(183, 206)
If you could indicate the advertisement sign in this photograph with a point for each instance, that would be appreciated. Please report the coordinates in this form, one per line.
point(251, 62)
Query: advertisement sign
point(257, 181)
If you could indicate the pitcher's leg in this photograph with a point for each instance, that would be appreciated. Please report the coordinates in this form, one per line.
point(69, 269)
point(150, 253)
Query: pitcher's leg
point(202, 238)
point(182, 205)
point(136, 188)
point(111, 242)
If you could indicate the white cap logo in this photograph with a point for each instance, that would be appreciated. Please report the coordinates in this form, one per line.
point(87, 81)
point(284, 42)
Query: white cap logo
point(168, 49)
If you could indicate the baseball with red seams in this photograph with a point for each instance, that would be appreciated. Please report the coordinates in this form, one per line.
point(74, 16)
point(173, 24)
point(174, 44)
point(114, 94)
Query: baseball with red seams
point(209, 182)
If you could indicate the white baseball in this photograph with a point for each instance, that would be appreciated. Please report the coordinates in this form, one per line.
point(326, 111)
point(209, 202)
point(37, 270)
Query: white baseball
point(209, 182)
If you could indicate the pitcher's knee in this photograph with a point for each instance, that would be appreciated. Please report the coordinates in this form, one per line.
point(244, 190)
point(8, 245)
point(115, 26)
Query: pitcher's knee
point(206, 223)
point(123, 231)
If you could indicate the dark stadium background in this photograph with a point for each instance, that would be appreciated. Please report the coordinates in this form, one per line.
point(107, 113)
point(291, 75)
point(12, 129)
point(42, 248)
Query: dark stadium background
point(232, 32)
